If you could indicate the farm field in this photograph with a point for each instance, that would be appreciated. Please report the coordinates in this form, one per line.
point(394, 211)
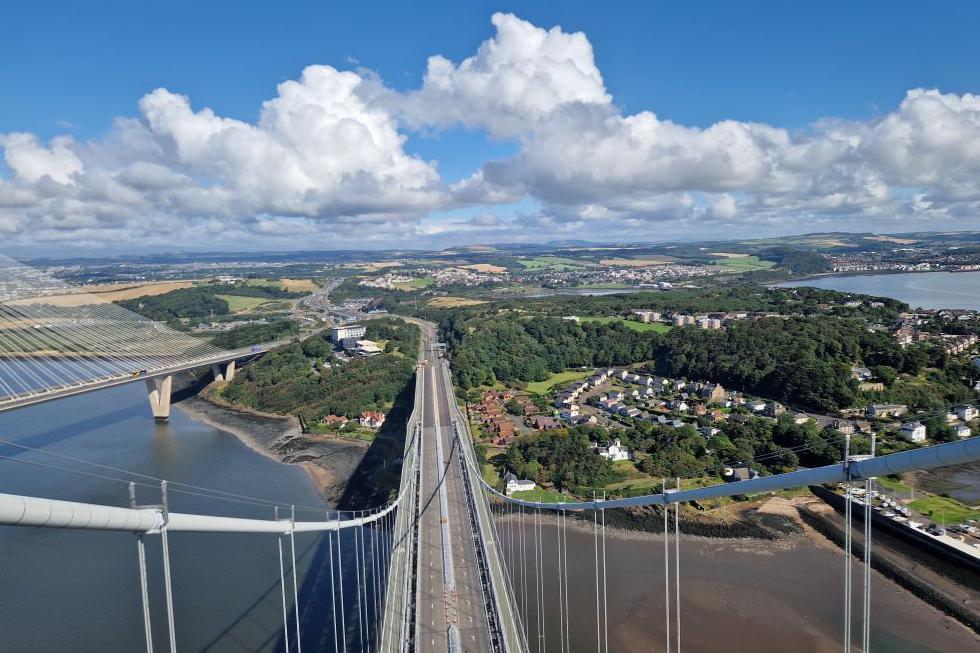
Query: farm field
point(299, 285)
point(106, 293)
point(743, 263)
point(554, 263)
point(637, 262)
point(238, 304)
point(453, 302)
point(632, 324)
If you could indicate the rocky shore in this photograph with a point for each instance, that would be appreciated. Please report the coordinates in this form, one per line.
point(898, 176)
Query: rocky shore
point(330, 462)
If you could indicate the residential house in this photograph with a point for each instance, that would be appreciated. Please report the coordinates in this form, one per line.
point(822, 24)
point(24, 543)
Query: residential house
point(842, 425)
point(963, 431)
point(881, 411)
point(615, 451)
point(335, 421)
point(913, 431)
point(965, 412)
point(544, 422)
point(372, 419)
point(713, 393)
point(515, 484)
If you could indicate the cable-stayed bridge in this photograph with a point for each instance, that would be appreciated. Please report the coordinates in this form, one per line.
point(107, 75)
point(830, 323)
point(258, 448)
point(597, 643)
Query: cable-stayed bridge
point(450, 564)
point(51, 348)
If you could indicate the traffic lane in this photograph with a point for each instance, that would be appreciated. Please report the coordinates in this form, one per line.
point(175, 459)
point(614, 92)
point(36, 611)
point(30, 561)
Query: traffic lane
point(472, 620)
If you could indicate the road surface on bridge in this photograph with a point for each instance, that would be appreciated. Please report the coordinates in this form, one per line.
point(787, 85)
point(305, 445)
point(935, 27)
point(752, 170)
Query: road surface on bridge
point(450, 593)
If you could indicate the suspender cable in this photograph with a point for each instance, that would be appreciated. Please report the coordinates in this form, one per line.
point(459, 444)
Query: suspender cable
point(527, 615)
point(847, 547)
point(292, 549)
point(144, 591)
point(333, 592)
point(595, 537)
point(866, 623)
point(677, 565)
point(282, 586)
point(357, 581)
point(605, 603)
point(168, 588)
point(537, 577)
point(374, 578)
point(340, 577)
point(666, 569)
point(568, 625)
point(561, 605)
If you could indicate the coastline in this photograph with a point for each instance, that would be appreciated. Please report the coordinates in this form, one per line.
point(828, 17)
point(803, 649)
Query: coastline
point(329, 462)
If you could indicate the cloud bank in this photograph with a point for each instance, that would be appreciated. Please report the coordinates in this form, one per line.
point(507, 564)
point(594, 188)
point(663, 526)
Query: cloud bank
point(327, 157)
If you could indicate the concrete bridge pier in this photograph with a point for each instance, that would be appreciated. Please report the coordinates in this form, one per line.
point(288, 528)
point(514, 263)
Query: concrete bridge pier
point(158, 392)
point(227, 374)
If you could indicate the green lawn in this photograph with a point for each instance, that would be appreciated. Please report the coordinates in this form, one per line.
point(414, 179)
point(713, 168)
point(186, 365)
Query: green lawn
point(491, 476)
point(237, 303)
point(894, 485)
point(743, 264)
point(632, 324)
point(541, 387)
point(943, 509)
point(553, 263)
point(416, 284)
point(542, 495)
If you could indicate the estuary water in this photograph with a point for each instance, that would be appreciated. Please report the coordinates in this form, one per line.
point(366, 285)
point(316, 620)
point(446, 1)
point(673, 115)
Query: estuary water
point(917, 289)
point(79, 591)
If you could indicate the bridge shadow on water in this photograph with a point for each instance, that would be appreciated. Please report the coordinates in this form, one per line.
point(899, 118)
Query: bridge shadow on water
point(319, 597)
point(376, 479)
point(374, 482)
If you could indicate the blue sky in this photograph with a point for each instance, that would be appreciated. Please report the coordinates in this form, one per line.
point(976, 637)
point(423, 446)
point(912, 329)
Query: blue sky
point(73, 68)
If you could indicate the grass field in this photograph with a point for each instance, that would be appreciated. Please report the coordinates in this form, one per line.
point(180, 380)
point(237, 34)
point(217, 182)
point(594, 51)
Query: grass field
point(453, 302)
point(553, 263)
point(636, 262)
point(238, 304)
point(541, 387)
point(632, 324)
point(944, 509)
point(542, 495)
point(743, 264)
point(416, 284)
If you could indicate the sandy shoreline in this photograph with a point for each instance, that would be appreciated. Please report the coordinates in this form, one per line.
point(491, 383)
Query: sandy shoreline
point(330, 462)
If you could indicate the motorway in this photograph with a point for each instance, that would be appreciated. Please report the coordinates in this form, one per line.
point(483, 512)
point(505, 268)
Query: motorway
point(450, 594)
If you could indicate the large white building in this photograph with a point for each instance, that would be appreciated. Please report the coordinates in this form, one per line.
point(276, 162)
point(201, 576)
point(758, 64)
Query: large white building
point(515, 484)
point(615, 451)
point(340, 333)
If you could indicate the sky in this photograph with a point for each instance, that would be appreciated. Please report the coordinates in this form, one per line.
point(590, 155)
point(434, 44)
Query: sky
point(310, 125)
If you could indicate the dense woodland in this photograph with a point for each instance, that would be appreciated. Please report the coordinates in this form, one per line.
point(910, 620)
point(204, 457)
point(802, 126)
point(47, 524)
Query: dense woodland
point(292, 379)
point(200, 301)
point(253, 334)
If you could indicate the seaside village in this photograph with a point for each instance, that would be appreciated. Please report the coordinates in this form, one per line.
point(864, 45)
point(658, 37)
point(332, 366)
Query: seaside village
point(613, 397)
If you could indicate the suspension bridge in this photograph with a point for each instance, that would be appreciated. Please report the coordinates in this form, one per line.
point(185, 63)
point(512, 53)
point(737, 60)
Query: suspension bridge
point(449, 563)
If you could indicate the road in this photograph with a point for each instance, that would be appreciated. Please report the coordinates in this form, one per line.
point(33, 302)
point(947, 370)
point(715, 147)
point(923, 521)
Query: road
point(450, 595)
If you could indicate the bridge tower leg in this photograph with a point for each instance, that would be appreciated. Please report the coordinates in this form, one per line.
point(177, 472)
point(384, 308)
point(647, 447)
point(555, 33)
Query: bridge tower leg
point(227, 375)
point(158, 392)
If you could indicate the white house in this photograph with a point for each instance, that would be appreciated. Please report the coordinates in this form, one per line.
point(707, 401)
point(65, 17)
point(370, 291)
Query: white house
point(963, 431)
point(914, 431)
point(615, 451)
point(965, 412)
point(515, 484)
